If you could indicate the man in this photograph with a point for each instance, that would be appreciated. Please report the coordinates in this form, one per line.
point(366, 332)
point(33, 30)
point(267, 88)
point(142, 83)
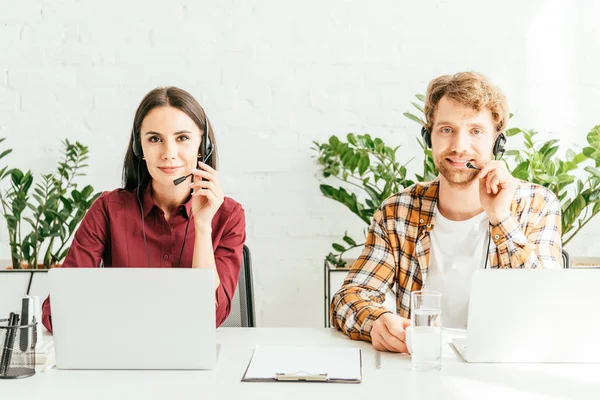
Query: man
point(434, 235)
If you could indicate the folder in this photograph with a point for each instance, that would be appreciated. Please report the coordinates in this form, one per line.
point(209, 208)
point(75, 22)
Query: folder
point(270, 363)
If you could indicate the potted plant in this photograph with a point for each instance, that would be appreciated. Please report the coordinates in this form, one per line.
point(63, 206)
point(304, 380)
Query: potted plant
point(41, 219)
point(367, 171)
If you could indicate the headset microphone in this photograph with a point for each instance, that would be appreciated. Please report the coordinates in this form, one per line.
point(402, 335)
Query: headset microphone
point(179, 180)
point(206, 150)
point(470, 165)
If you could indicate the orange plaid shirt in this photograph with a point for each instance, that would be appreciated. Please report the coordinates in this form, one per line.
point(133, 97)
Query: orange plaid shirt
point(396, 251)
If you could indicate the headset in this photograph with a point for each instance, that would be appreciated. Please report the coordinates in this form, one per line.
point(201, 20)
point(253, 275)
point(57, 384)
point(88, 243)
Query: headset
point(206, 151)
point(498, 151)
point(206, 147)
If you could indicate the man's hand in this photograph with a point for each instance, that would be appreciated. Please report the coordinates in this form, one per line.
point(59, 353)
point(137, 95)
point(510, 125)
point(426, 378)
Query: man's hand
point(389, 333)
point(496, 190)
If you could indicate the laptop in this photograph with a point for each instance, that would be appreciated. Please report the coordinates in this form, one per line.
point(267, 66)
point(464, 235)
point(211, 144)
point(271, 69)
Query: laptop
point(533, 316)
point(133, 318)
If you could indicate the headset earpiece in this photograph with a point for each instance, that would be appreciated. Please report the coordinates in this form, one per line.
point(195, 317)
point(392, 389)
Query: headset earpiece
point(499, 145)
point(426, 136)
point(137, 146)
point(206, 147)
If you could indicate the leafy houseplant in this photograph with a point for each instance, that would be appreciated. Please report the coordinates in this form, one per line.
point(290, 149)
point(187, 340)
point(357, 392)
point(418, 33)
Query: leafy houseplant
point(52, 219)
point(370, 168)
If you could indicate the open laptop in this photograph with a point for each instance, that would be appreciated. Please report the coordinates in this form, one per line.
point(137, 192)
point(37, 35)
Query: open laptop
point(534, 316)
point(133, 318)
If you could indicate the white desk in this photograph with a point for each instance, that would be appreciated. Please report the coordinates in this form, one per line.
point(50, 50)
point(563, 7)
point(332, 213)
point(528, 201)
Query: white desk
point(395, 380)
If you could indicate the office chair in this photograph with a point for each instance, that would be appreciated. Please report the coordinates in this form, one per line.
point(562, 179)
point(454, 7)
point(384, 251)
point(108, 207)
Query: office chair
point(242, 304)
point(566, 259)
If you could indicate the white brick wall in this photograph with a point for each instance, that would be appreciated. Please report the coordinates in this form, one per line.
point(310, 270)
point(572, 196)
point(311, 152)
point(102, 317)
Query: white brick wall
point(274, 76)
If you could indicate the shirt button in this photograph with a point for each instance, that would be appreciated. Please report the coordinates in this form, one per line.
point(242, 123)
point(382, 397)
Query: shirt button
point(496, 237)
point(166, 256)
point(421, 220)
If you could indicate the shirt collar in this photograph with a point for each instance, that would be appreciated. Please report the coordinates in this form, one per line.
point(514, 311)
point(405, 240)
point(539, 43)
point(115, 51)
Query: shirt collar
point(429, 198)
point(148, 202)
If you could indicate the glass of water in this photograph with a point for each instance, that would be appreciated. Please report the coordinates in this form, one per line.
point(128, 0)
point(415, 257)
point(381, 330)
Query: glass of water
point(426, 317)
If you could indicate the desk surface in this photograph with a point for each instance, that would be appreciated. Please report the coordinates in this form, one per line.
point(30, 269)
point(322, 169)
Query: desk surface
point(395, 380)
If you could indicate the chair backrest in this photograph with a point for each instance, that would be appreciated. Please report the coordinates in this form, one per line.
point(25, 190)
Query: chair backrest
point(242, 304)
point(566, 259)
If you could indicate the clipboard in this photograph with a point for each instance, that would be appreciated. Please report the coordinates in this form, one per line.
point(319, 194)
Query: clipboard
point(270, 363)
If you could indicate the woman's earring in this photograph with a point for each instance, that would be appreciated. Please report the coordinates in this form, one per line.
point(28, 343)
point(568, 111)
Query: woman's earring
point(143, 158)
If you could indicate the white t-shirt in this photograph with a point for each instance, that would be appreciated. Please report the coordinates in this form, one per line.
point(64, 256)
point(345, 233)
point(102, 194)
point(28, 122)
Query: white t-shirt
point(458, 248)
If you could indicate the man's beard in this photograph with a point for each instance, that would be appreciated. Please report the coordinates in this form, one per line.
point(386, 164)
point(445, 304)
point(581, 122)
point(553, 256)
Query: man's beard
point(455, 177)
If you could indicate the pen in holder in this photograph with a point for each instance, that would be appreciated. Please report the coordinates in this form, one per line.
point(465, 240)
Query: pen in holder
point(17, 351)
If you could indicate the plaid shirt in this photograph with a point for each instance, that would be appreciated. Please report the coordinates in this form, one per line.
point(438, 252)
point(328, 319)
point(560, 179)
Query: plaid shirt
point(397, 250)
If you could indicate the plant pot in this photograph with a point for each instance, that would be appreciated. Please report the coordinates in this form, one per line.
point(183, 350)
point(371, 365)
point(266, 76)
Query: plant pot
point(39, 267)
point(585, 262)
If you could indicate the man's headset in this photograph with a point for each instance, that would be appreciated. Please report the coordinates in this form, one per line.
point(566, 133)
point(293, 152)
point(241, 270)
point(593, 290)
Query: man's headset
point(206, 150)
point(498, 149)
point(498, 152)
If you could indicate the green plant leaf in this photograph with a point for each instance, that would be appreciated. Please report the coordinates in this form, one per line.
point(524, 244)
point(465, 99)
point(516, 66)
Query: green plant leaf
point(5, 153)
point(592, 153)
point(580, 158)
point(550, 152)
point(338, 247)
point(327, 190)
point(565, 178)
point(349, 240)
point(548, 178)
point(30, 221)
point(87, 191)
point(594, 171)
point(512, 132)
point(522, 171)
point(16, 175)
point(353, 163)
point(413, 117)
point(417, 106)
point(363, 164)
point(334, 142)
point(593, 136)
point(373, 194)
point(351, 139)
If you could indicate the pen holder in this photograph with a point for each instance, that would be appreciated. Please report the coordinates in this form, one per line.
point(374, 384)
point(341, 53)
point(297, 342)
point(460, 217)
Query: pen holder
point(17, 350)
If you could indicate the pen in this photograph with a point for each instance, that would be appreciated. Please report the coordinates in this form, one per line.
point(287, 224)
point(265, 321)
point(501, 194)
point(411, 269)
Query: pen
point(9, 342)
point(378, 360)
point(25, 318)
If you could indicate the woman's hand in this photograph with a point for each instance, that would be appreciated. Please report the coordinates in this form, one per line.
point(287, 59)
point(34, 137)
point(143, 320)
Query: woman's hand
point(207, 196)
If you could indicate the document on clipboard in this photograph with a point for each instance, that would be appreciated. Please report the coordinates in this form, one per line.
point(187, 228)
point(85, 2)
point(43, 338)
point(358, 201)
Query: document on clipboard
point(304, 364)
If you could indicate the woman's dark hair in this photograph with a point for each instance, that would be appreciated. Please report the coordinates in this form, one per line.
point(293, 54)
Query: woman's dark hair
point(160, 97)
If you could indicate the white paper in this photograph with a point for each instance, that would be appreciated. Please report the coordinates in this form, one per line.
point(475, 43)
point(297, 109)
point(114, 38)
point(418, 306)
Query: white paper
point(338, 363)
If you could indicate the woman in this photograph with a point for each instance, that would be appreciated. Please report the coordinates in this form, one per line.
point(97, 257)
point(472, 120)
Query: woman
point(152, 222)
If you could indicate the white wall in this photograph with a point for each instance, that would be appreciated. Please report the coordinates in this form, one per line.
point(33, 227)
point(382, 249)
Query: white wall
point(274, 76)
